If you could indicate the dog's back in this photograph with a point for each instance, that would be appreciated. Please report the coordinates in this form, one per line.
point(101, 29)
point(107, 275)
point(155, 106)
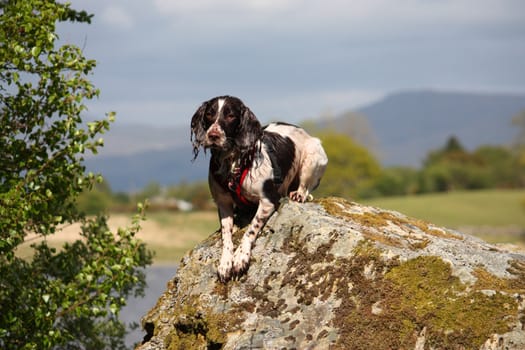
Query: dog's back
point(308, 163)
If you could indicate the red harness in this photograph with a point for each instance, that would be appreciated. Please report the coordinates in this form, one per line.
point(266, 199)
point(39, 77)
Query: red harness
point(233, 183)
point(237, 188)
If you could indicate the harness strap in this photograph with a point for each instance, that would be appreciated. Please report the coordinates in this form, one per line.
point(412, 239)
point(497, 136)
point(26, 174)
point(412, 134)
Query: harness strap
point(239, 187)
point(234, 184)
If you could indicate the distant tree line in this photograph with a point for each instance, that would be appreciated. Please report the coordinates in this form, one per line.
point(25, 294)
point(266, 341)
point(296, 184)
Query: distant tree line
point(452, 167)
point(102, 199)
point(354, 172)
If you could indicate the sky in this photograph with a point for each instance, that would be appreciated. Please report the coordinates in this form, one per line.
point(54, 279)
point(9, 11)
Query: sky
point(293, 60)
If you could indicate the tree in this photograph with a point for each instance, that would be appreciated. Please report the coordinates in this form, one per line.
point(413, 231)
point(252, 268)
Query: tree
point(453, 168)
point(452, 151)
point(68, 298)
point(397, 181)
point(519, 121)
point(97, 200)
point(503, 166)
point(353, 125)
point(197, 193)
point(356, 126)
point(351, 170)
point(151, 190)
point(519, 143)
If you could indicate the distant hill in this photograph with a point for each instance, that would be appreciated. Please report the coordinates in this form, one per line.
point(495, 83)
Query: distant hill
point(406, 125)
point(166, 167)
point(135, 155)
point(132, 139)
point(409, 124)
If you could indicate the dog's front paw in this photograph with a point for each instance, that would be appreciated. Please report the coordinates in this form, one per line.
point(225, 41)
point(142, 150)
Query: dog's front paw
point(241, 264)
point(241, 259)
point(224, 270)
point(298, 196)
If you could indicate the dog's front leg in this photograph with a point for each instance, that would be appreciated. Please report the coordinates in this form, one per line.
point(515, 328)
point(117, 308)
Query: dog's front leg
point(241, 260)
point(224, 270)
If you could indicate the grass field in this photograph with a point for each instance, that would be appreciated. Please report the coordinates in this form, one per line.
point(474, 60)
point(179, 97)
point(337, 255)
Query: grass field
point(496, 216)
point(472, 208)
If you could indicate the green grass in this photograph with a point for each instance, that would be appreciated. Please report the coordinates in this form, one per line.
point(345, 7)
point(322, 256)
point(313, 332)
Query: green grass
point(454, 209)
point(497, 216)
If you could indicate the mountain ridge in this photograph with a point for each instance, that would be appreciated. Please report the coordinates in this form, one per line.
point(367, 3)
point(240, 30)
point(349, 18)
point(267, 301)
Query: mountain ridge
point(468, 116)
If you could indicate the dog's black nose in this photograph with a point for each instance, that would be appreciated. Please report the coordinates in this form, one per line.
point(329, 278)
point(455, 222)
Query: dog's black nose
point(214, 135)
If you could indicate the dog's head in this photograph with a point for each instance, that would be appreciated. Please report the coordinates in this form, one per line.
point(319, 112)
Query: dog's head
point(224, 123)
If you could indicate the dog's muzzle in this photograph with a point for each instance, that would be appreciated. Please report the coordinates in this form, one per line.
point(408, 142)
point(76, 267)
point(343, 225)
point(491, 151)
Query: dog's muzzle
point(215, 137)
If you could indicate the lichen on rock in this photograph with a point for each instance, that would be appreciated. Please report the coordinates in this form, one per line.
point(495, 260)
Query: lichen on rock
point(333, 274)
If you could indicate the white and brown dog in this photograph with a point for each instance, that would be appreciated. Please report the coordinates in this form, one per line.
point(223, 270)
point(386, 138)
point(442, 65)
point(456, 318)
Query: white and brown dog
point(252, 166)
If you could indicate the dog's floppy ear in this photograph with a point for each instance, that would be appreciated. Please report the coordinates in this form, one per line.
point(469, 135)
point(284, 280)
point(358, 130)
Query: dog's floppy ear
point(249, 129)
point(198, 133)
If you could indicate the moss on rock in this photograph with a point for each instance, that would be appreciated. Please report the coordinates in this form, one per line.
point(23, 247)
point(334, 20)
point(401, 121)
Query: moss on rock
point(198, 327)
point(419, 296)
point(427, 295)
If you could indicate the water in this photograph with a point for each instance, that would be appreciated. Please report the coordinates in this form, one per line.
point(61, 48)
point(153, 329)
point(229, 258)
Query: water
point(157, 277)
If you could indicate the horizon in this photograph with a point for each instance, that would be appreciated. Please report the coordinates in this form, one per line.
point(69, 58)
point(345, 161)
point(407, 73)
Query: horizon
point(331, 114)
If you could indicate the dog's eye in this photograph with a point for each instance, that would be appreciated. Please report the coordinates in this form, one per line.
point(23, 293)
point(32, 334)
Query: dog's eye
point(209, 116)
point(229, 117)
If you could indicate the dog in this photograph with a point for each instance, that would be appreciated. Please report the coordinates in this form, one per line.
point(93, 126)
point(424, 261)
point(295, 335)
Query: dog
point(252, 167)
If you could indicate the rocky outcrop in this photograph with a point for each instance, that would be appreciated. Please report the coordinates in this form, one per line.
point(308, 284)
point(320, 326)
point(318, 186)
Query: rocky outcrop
point(333, 274)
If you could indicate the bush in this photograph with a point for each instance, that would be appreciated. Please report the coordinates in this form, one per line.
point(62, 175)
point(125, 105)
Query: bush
point(351, 170)
point(397, 181)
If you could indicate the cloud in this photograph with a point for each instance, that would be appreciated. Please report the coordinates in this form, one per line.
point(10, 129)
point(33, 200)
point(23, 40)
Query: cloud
point(185, 7)
point(364, 16)
point(291, 59)
point(117, 17)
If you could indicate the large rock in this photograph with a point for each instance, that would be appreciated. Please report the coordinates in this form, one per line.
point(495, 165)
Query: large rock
point(338, 275)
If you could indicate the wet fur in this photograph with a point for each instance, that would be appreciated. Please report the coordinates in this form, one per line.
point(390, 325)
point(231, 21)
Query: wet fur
point(283, 161)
